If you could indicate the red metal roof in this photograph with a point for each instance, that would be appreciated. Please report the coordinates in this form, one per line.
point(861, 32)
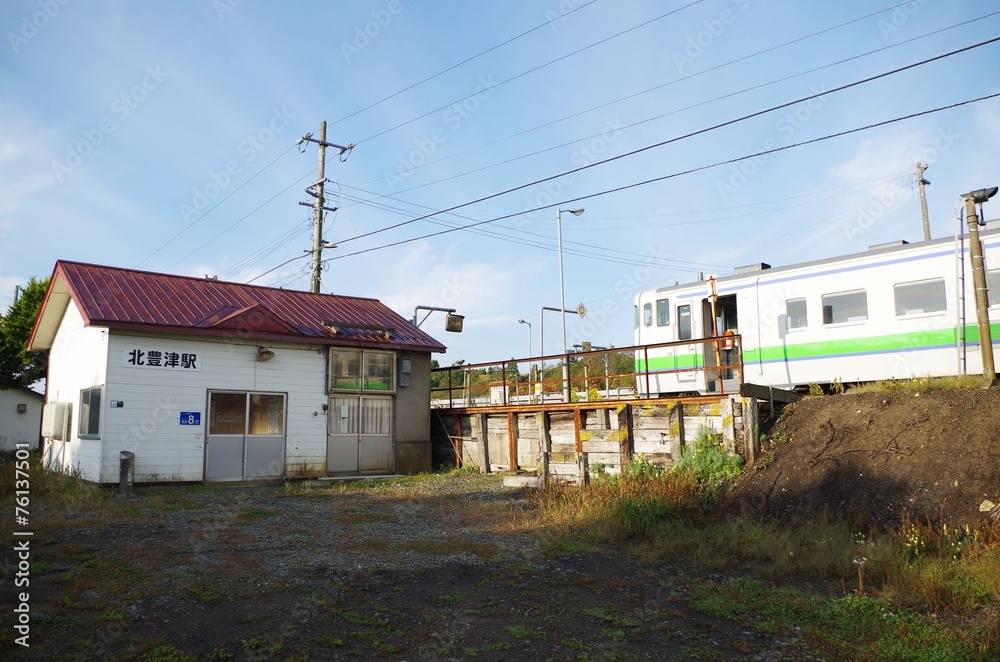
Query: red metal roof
point(165, 303)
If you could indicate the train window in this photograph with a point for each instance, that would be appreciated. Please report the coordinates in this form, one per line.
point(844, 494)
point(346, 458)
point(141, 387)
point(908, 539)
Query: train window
point(795, 314)
point(647, 314)
point(663, 312)
point(993, 287)
point(684, 322)
point(845, 307)
point(925, 296)
point(636, 310)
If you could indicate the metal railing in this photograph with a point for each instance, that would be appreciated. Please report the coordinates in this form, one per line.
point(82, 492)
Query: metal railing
point(621, 373)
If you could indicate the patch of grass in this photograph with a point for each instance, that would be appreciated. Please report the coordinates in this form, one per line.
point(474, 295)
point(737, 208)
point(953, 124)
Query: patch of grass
point(167, 654)
point(521, 632)
point(605, 614)
point(257, 513)
point(446, 600)
point(50, 620)
point(920, 384)
point(335, 642)
point(219, 655)
point(840, 626)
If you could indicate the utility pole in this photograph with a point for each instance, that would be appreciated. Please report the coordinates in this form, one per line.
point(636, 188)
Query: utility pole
point(317, 191)
point(921, 182)
point(979, 282)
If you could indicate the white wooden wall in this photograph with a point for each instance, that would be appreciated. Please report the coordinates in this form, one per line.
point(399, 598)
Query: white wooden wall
point(77, 360)
point(149, 422)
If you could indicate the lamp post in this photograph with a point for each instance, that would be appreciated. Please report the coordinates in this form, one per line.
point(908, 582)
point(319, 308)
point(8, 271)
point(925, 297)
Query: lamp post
point(531, 364)
point(576, 211)
point(581, 310)
point(529, 335)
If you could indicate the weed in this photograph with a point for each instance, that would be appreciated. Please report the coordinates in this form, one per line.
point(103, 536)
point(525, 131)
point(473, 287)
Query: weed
point(167, 654)
point(708, 461)
point(605, 615)
point(220, 655)
point(446, 600)
point(521, 632)
point(254, 644)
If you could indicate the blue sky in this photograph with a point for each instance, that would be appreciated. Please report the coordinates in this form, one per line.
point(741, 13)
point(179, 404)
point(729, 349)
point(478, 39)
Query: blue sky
point(162, 136)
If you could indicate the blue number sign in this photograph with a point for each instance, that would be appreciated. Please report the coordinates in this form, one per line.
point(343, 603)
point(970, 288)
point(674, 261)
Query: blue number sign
point(190, 418)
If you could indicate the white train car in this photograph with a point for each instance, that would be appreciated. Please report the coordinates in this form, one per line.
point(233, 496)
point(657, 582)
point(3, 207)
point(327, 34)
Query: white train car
point(895, 311)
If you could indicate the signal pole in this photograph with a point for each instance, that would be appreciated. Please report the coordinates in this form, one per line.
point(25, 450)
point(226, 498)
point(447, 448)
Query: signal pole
point(921, 182)
point(317, 191)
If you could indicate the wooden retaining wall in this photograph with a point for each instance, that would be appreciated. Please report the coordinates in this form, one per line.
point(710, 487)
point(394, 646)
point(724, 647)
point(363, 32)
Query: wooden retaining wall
point(573, 439)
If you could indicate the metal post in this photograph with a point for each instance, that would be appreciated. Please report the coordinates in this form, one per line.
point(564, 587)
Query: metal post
point(317, 250)
point(979, 282)
point(921, 182)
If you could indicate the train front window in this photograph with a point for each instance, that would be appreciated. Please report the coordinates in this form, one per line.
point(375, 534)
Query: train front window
point(795, 314)
point(663, 312)
point(647, 314)
point(845, 307)
point(922, 297)
point(684, 322)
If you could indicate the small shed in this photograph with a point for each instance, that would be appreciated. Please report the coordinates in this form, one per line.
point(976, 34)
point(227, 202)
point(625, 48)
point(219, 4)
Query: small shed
point(208, 380)
point(20, 418)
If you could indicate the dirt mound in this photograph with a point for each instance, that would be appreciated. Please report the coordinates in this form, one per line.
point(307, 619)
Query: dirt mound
point(881, 457)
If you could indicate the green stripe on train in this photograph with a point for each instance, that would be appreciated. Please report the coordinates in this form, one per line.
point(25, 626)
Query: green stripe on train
point(897, 342)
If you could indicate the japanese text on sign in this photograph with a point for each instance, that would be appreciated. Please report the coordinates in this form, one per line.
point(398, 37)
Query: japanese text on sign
point(159, 358)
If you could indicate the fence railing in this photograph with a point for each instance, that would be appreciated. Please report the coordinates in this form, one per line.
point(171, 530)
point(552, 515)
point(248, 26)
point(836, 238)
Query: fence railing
point(613, 374)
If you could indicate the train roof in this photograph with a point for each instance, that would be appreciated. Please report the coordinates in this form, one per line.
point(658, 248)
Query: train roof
point(992, 229)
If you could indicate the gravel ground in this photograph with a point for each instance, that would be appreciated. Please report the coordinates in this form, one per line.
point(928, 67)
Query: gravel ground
point(447, 567)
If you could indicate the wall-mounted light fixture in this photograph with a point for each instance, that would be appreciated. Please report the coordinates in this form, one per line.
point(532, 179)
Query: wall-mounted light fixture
point(264, 354)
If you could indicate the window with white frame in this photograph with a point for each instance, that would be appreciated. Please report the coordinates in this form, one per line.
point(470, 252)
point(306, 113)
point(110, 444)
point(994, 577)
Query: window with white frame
point(90, 412)
point(647, 314)
point(362, 370)
point(795, 314)
point(845, 307)
point(926, 296)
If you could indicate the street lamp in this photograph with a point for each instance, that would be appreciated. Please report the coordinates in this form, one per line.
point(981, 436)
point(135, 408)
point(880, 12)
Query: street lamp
point(576, 211)
point(581, 310)
point(531, 364)
point(529, 335)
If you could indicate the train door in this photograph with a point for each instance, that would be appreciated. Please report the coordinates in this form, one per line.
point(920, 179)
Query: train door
point(725, 322)
point(686, 356)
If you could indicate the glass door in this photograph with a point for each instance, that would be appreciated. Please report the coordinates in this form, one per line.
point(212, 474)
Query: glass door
point(246, 436)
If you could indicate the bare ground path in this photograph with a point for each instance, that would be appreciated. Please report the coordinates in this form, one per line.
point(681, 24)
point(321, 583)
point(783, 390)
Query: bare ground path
point(441, 569)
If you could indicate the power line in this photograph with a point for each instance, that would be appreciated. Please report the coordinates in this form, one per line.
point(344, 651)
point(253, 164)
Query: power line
point(679, 138)
point(656, 117)
point(210, 210)
point(532, 70)
point(465, 61)
point(680, 173)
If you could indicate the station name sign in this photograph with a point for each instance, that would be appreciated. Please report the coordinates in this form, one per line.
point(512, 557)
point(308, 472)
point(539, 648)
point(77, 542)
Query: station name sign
point(159, 358)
